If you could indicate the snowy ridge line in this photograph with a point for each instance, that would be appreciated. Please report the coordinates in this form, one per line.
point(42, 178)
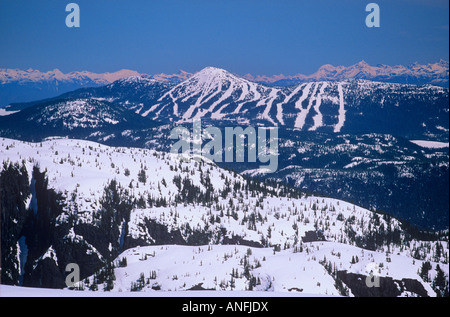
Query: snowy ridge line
point(436, 72)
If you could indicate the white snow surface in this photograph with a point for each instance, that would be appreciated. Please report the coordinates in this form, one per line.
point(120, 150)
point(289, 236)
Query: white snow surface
point(86, 167)
point(430, 144)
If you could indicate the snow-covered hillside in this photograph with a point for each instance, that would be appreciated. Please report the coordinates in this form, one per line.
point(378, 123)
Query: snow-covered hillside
point(173, 201)
point(240, 268)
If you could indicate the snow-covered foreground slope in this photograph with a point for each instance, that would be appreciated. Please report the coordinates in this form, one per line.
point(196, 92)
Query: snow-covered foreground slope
point(220, 270)
point(226, 268)
point(20, 291)
point(300, 243)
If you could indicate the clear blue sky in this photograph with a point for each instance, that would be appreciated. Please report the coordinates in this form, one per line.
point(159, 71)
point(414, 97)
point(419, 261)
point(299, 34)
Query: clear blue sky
point(242, 36)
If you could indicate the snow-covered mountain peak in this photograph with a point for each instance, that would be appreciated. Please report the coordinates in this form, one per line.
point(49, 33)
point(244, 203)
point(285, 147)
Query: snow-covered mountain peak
point(209, 74)
point(212, 70)
point(362, 63)
point(208, 93)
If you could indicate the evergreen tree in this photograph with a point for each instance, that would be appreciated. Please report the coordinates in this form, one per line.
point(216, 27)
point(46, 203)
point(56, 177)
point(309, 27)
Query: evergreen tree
point(115, 212)
point(440, 284)
point(142, 177)
point(426, 267)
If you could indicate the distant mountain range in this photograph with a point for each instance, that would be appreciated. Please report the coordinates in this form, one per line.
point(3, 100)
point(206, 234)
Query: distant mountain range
point(417, 74)
point(27, 85)
point(33, 75)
